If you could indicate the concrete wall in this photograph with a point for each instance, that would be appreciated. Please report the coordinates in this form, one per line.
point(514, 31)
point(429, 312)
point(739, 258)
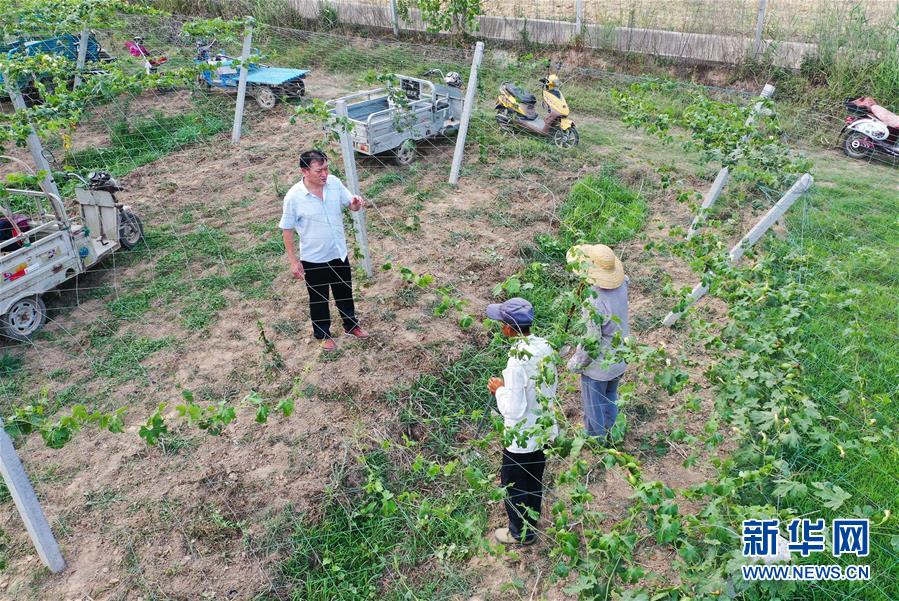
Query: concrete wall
point(690, 47)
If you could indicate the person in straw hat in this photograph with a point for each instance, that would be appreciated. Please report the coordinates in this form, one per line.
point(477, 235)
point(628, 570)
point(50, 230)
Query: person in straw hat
point(607, 323)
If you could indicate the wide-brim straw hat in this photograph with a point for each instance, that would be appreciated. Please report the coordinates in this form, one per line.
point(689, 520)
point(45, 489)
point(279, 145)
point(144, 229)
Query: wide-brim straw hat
point(597, 264)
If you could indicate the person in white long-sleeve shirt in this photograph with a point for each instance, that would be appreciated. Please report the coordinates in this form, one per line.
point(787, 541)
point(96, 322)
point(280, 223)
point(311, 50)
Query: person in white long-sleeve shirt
point(524, 397)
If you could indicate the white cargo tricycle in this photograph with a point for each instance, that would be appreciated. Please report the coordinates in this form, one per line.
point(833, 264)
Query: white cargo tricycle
point(44, 248)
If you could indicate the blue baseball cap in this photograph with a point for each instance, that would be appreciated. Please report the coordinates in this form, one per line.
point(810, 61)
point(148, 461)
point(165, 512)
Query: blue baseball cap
point(515, 312)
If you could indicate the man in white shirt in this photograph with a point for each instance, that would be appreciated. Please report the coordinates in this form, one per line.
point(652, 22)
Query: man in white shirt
point(524, 397)
point(313, 209)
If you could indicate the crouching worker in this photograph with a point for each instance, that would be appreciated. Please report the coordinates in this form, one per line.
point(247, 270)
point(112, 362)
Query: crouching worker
point(524, 396)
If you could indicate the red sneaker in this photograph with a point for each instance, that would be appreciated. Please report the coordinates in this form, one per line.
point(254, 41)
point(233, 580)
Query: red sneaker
point(328, 345)
point(358, 333)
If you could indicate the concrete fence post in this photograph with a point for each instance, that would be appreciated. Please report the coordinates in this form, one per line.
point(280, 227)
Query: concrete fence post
point(33, 142)
point(241, 87)
point(709, 200)
point(759, 28)
point(352, 182)
point(394, 19)
point(767, 92)
point(578, 17)
point(23, 496)
point(721, 180)
point(758, 230)
point(470, 92)
point(82, 53)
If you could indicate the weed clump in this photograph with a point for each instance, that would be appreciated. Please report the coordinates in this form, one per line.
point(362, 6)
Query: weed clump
point(600, 209)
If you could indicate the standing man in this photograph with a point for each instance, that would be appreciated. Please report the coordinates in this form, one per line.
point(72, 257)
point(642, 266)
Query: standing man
point(313, 208)
point(607, 324)
point(529, 425)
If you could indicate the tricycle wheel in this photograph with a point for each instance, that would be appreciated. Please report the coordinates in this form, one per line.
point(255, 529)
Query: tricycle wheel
point(203, 84)
point(295, 89)
point(25, 317)
point(131, 230)
point(265, 98)
point(404, 154)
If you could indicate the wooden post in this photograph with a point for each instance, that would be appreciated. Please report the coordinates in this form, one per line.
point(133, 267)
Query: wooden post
point(759, 27)
point(23, 496)
point(82, 54)
point(459, 153)
point(352, 182)
point(758, 230)
point(241, 87)
point(394, 19)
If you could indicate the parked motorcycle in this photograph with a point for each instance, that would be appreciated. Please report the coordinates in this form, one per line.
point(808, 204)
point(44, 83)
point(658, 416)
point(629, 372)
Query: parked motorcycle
point(869, 128)
point(151, 63)
point(517, 108)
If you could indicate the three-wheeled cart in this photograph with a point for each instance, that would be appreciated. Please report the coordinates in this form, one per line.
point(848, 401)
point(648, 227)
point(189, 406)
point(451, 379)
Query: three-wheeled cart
point(44, 248)
point(381, 123)
point(265, 84)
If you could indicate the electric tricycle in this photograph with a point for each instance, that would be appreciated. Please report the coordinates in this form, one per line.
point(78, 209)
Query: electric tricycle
point(41, 247)
point(264, 83)
point(393, 118)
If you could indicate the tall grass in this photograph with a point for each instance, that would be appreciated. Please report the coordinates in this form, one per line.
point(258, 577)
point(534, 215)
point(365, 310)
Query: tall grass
point(599, 210)
point(848, 232)
point(855, 56)
point(274, 12)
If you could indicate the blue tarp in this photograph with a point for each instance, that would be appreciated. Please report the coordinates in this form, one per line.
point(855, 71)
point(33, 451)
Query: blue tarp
point(274, 75)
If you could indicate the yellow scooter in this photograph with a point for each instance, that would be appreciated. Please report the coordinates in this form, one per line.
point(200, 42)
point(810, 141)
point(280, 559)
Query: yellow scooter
point(516, 107)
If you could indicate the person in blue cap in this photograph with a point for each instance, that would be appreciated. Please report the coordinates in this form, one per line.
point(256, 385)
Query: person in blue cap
point(524, 397)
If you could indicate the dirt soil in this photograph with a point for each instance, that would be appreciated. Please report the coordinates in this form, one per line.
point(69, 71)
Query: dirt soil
point(137, 522)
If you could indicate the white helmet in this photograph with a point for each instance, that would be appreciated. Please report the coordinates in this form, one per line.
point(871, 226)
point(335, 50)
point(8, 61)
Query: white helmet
point(453, 79)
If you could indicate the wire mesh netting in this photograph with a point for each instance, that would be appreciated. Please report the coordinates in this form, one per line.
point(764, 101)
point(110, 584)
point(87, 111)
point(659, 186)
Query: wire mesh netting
point(205, 308)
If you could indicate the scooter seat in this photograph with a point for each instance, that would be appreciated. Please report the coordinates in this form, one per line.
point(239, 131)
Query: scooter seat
point(519, 94)
point(889, 118)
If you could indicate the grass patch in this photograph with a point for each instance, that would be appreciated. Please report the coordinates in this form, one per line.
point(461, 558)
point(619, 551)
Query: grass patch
point(122, 359)
point(146, 140)
point(599, 210)
point(10, 367)
point(852, 365)
point(179, 260)
point(357, 553)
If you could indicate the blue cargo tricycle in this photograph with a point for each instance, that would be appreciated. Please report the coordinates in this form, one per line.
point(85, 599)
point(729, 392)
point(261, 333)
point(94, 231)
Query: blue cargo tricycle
point(265, 84)
point(62, 45)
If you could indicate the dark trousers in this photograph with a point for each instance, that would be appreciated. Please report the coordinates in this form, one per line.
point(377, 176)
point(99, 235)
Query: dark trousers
point(523, 474)
point(334, 277)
